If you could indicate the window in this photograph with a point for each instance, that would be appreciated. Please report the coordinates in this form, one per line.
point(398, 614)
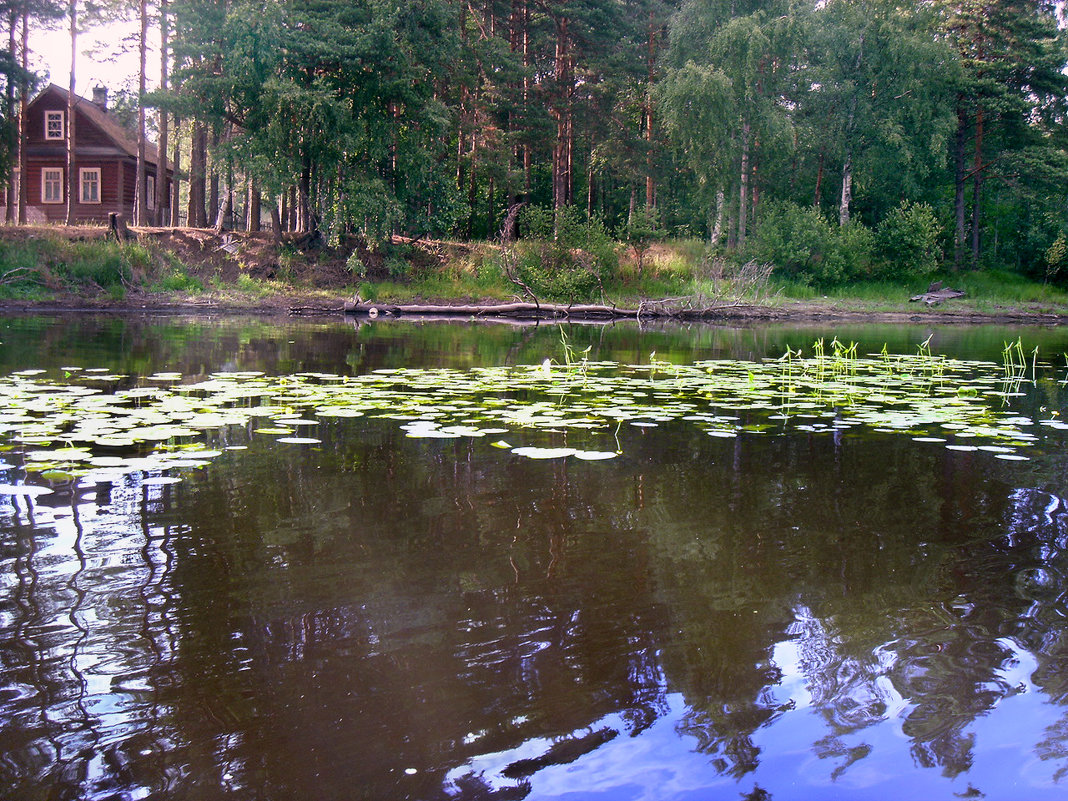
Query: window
point(150, 191)
point(54, 125)
point(90, 183)
point(51, 185)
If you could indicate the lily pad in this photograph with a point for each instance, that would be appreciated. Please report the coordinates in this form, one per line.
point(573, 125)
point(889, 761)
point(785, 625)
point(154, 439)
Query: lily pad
point(27, 490)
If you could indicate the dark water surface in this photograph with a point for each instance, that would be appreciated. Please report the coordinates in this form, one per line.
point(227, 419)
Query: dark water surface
point(847, 615)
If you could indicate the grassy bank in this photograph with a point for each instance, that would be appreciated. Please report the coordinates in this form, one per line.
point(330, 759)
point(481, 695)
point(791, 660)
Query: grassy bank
point(189, 266)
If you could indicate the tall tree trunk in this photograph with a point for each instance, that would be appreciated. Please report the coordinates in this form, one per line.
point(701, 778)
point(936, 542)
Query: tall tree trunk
point(141, 192)
point(161, 165)
point(717, 225)
point(254, 200)
point(743, 192)
point(564, 79)
point(24, 91)
point(959, 181)
point(591, 191)
point(847, 189)
point(276, 219)
point(650, 64)
point(175, 189)
point(728, 226)
point(819, 181)
point(11, 200)
point(515, 44)
point(304, 218)
point(473, 166)
point(72, 179)
point(226, 203)
point(197, 215)
point(754, 185)
point(977, 186)
point(847, 164)
point(527, 158)
point(213, 178)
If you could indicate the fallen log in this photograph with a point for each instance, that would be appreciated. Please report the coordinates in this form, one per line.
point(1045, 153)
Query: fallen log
point(935, 294)
point(515, 310)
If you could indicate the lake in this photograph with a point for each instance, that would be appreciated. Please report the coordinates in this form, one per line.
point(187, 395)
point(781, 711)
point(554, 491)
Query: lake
point(251, 559)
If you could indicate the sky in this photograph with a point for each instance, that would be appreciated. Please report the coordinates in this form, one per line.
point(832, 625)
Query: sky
point(101, 61)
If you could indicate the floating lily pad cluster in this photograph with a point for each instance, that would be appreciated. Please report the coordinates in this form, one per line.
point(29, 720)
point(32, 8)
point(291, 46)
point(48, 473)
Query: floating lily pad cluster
point(83, 423)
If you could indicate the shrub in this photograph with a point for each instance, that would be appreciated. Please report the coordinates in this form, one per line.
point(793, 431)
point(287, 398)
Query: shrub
point(854, 244)
point(805, 247)
point(571, 265)
point(1056, 254)
point(641, 231)
point(907, 241)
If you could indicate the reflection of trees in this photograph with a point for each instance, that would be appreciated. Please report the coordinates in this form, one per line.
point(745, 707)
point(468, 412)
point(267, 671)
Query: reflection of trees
point(1036, 536)
point(857, 554)
point(336, 616)
point(74, 664)
point(416, 607)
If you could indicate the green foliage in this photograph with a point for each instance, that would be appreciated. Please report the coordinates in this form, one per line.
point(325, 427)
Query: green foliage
point(805, 247)
point(88, 265)
point(177, 280)
point(1056, 254)
point(354, 264)
point(907, 241)
point(641, 231)
point(575, 264)
point(19, 264)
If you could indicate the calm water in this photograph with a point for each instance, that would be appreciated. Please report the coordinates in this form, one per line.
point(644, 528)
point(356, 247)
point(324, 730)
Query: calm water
point(846, 615)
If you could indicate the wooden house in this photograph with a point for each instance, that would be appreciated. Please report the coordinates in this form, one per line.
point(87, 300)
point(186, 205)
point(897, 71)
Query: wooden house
point(105, 158)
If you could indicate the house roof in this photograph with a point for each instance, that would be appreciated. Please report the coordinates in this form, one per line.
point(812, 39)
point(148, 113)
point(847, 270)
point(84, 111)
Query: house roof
point(100, 118)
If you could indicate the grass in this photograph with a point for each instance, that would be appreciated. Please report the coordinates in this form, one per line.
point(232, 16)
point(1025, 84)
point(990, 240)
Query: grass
point(987, 291)
point(41, 264)
point(53, 262)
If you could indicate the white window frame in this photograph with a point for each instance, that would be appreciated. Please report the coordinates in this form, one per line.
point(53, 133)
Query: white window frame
point(150, 191)
point(50, 133)
point(85, 180)
point(53, 176)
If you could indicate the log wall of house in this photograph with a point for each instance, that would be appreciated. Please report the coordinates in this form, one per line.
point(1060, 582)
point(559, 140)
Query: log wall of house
point(84, 212)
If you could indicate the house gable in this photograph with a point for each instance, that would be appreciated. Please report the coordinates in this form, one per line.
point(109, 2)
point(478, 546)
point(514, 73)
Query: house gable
point(98, 134)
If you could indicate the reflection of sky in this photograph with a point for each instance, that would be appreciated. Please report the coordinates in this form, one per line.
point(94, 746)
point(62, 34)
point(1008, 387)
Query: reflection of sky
point(662, 765)
point(648, 767)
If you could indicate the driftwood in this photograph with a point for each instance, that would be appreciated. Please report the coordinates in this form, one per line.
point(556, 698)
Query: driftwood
point(935, 294)
point(515, 310)
point(647, 310)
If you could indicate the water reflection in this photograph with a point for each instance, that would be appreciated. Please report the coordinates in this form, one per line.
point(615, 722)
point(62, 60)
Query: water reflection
point(377, 617)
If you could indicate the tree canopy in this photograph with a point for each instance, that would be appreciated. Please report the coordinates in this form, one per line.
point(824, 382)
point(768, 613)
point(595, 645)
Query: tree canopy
point(435, 117)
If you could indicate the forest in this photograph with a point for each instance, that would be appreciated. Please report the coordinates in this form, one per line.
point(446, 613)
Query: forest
point(836, 140)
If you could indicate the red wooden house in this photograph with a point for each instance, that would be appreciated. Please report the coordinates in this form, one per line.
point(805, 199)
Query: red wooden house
point(105, 158)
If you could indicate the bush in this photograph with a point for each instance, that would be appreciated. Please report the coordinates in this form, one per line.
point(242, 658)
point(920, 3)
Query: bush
point(641, 231)
point(907, 241)
point(1055, 257)
point(805, 247)
point(572, 265)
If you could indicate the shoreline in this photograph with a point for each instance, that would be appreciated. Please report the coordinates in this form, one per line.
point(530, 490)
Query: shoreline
point(302, 305)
